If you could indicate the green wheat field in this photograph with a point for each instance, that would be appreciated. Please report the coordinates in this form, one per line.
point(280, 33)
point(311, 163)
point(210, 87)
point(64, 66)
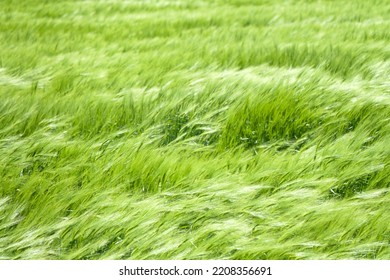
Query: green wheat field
point(179, 129)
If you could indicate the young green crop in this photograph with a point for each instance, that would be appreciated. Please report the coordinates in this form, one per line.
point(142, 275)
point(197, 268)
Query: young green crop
point(194, 129)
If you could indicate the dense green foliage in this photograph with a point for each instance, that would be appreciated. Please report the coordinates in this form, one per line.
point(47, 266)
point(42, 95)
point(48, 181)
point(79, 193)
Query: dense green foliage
point(177, 129)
